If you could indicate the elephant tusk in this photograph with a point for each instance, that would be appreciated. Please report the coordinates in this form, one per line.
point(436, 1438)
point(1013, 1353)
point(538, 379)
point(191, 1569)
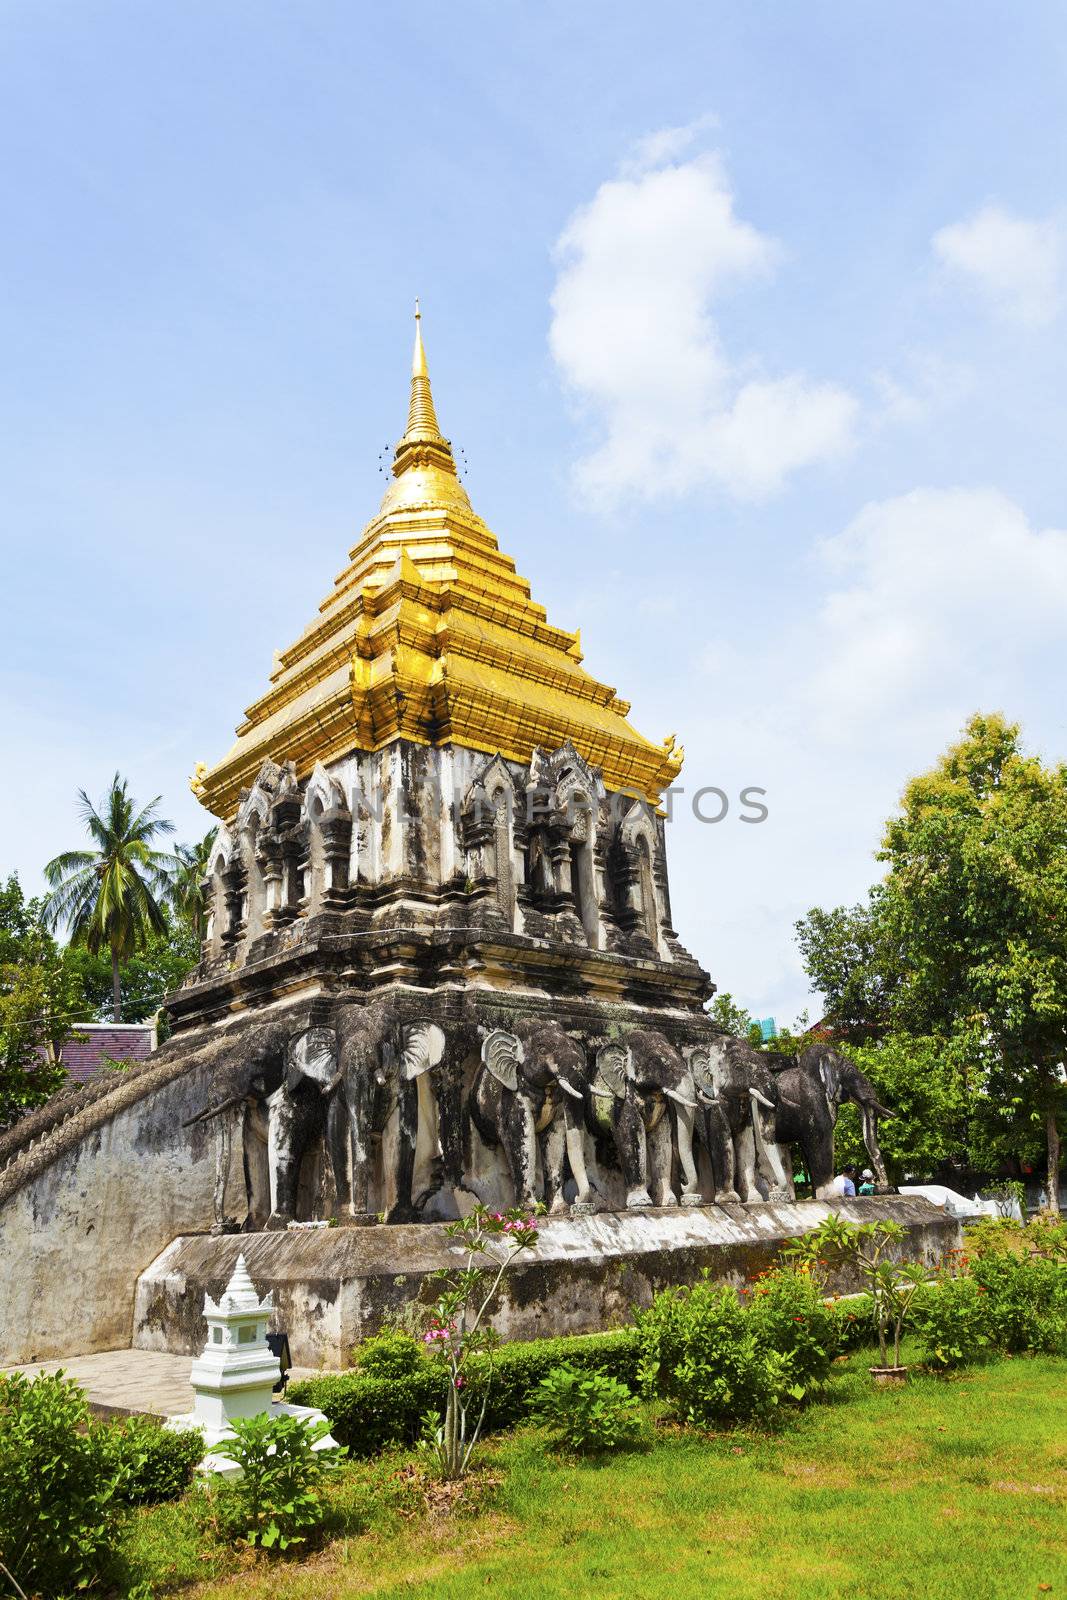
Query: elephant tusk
point(680, 1098)
point(601, 1094)
point(575, 1094)
point(762, 1098)
point(881, 1111)
point(214, 1111)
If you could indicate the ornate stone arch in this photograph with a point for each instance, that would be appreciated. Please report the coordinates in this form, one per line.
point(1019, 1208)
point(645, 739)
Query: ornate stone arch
point(329, 838)
point(488, 815)
point(218, 919)
point(250, 826)
point(639, 840)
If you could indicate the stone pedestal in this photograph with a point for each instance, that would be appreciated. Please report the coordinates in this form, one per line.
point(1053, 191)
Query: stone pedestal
point(333, 1287)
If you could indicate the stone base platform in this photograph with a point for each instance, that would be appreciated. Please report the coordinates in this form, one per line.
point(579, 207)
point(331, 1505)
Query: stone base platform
point(123, 1383)
point(335, 1286)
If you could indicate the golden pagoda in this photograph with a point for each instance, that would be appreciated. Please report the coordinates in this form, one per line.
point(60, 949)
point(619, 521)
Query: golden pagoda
point(431, 636)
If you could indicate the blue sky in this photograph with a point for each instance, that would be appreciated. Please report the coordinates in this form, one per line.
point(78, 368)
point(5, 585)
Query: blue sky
point(749, 319)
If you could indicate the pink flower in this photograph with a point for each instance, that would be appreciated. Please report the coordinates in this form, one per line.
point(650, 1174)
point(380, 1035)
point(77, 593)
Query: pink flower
point(460, 1381)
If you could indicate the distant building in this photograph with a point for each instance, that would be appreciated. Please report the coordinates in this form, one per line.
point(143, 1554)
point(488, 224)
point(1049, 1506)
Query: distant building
point(95, 1043)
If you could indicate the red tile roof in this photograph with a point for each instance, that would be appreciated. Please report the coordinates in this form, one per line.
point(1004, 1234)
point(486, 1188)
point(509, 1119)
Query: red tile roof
point(118, 1041)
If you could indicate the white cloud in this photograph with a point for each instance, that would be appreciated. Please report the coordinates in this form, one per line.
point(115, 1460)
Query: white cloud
point(632, 334)
point(1015, 264)
point(944, 600)
point(934, 605)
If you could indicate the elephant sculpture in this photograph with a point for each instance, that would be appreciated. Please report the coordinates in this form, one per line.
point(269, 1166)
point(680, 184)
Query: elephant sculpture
point(811, 1090)
point(252, 1070)
point(529, 1098)
point(297, 1116)
point(637, 1079)
point(382, 1054)
point(739, 1126)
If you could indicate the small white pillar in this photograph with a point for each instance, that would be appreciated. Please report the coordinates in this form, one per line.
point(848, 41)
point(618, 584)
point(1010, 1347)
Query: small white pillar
point(235, 1373)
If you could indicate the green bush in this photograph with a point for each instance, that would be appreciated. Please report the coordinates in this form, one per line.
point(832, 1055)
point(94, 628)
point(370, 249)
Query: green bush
point(369, 1413)
point(59, 1488)
point(700, 1352)
point(152, 1463)
point(953, 1323)
point(787, 1313)
point(856, 1325)
point(275, 1503)
point(389, 1354)
point(588, 1412)
point(1027, 1301)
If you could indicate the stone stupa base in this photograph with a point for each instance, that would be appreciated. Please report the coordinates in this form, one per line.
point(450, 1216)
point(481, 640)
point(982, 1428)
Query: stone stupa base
point(333, 1287)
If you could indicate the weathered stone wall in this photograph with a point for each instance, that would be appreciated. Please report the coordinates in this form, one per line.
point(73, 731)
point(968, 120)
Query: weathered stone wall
point(333, 1287)
point(95, 1210)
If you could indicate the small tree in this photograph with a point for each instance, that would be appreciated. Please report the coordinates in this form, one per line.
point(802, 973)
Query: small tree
point(458, 1329)
point(892, 1285)
point(186, 893)
point(41, 1000)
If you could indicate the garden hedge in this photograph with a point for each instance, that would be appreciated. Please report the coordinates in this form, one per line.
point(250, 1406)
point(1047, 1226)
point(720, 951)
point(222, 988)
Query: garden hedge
point(368, 1412)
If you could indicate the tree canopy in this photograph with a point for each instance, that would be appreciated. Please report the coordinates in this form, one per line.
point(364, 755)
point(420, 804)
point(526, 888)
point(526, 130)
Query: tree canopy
point(962, 949)
point(108, 897)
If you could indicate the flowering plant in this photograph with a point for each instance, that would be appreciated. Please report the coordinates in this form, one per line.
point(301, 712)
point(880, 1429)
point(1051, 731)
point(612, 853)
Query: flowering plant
point(457, 1327)
point(892, 1285)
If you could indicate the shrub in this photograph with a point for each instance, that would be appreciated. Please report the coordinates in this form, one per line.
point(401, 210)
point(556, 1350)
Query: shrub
point(368, 1413)
point(586, 1411)
point(787, 1312)
point(1027, 1301)
point(389, 1354)
point(856, 1324)
point(953, 1324)
point(700, 1353)
point(59, 1507)
point(152, 1463)
point(275, 1503)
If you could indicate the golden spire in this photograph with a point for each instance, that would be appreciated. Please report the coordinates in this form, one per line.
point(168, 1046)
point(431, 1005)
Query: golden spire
point(423, 427)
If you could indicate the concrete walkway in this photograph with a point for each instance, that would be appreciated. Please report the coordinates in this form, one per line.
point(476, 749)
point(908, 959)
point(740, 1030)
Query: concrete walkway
point(118, 1382)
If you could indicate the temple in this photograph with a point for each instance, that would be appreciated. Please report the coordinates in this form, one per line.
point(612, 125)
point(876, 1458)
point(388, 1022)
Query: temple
point(431, 756)
point(439, 970)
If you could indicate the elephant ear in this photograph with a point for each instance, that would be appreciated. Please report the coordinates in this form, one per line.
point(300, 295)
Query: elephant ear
point(613, 1067)
point(423, 1047)
point(502, 1053)
point(311, 1054)
point(700, 1067)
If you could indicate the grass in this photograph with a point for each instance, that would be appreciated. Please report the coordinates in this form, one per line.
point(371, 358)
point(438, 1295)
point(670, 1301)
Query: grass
point(947, 1490)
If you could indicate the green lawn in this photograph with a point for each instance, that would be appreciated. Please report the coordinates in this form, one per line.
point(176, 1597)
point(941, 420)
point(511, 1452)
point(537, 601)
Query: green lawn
point(945, 1491)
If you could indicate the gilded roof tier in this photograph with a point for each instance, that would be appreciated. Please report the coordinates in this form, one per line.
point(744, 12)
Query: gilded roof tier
point(431, 635)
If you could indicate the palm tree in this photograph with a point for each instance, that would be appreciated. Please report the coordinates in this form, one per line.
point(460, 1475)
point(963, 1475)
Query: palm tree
point(107, 896)
point(188, 870)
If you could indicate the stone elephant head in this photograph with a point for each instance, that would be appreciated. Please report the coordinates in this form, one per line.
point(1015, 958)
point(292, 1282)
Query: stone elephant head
point(644, 1090)
point(740, 1095)
point(383, 1052)
point(297, 1116)
point(529, 1098)
point(251, 1067)
point(811, 1091)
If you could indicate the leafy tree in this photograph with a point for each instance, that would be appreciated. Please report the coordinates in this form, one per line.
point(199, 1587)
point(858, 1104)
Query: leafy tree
point(153, 972)
point(852, 957)
point(186, 895)
point(932, 1087)
point(41, 999)
point(966, 939)
point(107, 896)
